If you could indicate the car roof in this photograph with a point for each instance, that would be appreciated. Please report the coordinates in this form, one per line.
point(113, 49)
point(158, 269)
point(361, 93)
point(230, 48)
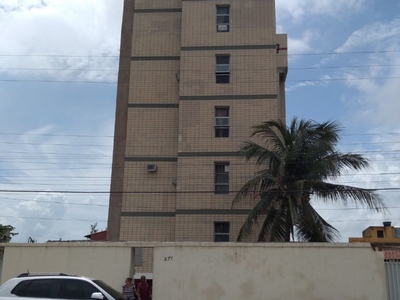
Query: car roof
point(30, 274)
point(11, 283)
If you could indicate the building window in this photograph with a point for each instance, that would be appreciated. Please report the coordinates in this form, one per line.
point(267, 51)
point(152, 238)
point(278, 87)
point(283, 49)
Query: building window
point(222, 122)
point(222, 69)
point(380, 233)
point(221, 231)
point(221, 178)
point(223, 18)
point(138, 261)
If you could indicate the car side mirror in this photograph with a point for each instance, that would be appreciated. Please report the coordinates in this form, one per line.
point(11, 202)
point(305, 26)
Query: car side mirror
point(98, 296)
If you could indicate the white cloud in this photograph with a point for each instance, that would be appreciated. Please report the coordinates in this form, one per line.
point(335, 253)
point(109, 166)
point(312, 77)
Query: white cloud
point(377, 83)
point(37, 32)
point(60, 40)
point(298, 10)
point(49, 161)
point(376, 35)
point(300, 85)
point(302, 44)
point(351, 220)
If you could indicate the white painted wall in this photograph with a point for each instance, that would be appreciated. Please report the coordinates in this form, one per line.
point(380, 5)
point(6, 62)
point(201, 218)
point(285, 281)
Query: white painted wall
point(110, 262)
point(268, 271)
point(220, 271)
point(1, 268)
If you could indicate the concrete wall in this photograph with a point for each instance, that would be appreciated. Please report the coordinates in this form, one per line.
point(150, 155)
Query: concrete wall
point(1, 261)
point(268, 271)
point(217, 271)
point(110, 262)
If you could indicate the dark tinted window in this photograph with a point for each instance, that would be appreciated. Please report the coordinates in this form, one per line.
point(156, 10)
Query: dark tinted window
point(77, 289)
point(221, 231)
point(222, 122)
point(222, 78)
point(222, 19)
point(221, 132)
point(380, 233)
point(115, 294)
point(40, 288)
point(21, 288)
point(221, 178)
point(222, 59)
point(222, 69)
point(223, 10)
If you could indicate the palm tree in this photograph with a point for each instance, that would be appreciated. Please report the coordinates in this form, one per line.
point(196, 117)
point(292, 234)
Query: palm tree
point(295, 163)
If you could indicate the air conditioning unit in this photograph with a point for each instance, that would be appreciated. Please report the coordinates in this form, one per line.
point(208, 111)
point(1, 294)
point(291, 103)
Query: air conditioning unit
point(222, 27)
point(151, 168)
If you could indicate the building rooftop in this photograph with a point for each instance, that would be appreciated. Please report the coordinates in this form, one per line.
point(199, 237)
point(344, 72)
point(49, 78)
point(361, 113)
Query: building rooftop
point(380, 237)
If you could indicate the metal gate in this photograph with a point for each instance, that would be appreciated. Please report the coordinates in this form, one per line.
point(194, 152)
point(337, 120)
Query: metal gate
point(392, 268)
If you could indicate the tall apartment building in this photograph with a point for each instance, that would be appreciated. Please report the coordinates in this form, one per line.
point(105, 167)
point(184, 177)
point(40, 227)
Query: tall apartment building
point(194, 76)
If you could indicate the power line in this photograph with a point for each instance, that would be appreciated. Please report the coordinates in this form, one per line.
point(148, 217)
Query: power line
point(148, 192)
point(112, 136)
point(116, 70)
point(60, 135)
point(106, 205)
point(117, 56)
point(63, 69)
point(60, 55)
point(167, 137)
point(56, 219)
point(56, 202)
point(115, 82)
point(99, 220)
point(342, 53)
point(340, 67)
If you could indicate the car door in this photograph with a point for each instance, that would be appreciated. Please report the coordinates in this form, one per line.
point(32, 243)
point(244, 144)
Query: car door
point(78, 289)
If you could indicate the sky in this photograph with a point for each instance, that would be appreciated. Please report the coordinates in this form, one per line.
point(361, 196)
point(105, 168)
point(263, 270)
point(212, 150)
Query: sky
point(58, 74)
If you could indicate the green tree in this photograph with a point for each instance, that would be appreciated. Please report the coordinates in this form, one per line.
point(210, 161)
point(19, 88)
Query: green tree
point(296, 164)
point(6, 233)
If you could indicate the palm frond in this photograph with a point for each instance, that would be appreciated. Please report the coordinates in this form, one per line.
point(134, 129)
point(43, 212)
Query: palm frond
point(253, 151)
point(276, 227)
point(311, 227)
point(345, 194)
point(297, 160)
point(257, 185)
point(260, 210)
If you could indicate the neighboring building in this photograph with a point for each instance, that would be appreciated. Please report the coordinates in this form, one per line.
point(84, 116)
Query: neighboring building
point(194, 77)
point(385, 238)
point(97, 236)
point(380, 237)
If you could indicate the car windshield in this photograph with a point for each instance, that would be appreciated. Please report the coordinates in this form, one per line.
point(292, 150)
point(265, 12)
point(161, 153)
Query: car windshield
point(116, 295)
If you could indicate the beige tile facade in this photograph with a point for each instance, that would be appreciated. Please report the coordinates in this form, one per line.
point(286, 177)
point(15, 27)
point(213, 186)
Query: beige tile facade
point(252, 22)
point(153, 82)
point(252, 72)
point(166, 102)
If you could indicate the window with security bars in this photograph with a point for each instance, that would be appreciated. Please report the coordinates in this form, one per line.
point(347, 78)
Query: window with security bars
point(221, 231)
point(222, 69)
point(223, 12)
point(221, 178)
point(222, 122)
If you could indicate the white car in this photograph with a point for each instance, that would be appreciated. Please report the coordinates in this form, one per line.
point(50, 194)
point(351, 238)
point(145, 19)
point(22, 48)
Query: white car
point(57, 286)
